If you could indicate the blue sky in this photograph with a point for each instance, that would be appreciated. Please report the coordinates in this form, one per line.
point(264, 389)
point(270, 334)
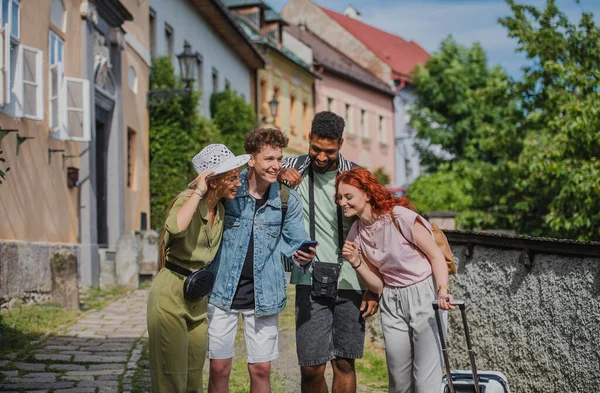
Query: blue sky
point(428, 22)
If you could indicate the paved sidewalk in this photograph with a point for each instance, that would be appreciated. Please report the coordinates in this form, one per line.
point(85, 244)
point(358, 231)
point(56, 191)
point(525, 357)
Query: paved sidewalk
point(98, 354)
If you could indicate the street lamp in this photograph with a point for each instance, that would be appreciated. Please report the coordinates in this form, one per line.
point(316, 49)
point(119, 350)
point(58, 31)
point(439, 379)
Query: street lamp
point(187, 63)
point(273, 106)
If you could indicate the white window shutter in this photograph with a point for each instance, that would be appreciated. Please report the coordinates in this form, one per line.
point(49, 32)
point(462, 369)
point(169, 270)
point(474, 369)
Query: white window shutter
point(76, 120)
point(33, 99)
point(17, 87)
point(6, 52)
point(2, 66)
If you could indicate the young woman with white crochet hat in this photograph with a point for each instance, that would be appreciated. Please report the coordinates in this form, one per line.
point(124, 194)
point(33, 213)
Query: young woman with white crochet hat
point(177, 326)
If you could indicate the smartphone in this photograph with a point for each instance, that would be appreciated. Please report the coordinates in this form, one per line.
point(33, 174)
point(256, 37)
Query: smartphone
point(306, 244)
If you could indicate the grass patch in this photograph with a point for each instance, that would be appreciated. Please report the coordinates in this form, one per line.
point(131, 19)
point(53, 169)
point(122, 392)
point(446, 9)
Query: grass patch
point(94, 298)
point(371, 370)
point(23, 324)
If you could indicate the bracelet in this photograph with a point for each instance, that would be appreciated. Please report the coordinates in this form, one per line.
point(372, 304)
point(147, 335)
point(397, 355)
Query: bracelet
point(199, 193)
point(440, 287)
point(356, 267)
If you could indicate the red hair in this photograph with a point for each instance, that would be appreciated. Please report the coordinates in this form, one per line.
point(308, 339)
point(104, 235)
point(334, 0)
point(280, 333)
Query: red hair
point(382, 200)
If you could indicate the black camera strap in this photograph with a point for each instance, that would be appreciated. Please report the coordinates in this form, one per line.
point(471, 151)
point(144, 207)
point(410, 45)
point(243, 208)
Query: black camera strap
point(311, 213)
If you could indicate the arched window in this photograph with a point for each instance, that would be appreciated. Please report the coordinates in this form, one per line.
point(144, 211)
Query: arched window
point(57, 14)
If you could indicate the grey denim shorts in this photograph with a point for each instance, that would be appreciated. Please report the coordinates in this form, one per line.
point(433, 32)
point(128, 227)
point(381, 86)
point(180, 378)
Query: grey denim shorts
point(328, 328)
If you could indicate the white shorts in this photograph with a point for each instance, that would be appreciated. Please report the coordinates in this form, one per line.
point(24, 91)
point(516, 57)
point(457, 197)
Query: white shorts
point(262, 341)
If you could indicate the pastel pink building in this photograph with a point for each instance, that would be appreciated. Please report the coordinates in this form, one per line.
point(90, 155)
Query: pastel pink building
point(363, 100)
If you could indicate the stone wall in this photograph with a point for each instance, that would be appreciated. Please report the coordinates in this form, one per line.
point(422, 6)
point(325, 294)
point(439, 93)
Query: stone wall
point(25, 271)
point(533, 307)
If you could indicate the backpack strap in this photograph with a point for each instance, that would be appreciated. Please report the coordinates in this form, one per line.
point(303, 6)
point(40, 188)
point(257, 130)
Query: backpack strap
point(284, 194)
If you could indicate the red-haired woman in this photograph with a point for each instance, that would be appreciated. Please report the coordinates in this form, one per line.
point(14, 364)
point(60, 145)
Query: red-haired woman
point(393, 251)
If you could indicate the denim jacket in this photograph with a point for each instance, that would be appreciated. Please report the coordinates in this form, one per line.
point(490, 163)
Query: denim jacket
point(271, 240)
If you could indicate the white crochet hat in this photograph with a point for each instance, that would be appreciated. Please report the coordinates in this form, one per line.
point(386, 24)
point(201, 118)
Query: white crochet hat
point(218, 159)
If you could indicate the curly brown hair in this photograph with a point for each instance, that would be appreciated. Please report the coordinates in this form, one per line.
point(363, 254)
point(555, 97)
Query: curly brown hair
point(256, 139)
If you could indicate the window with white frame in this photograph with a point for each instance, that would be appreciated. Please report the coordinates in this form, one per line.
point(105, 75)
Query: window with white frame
point(69, 117)
point(57, 14)
point(33, 87)
point(11, 60)
point(55, 60)
point(11, 15)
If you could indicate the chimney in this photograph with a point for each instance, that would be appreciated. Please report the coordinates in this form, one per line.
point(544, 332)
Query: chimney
point(352, 12)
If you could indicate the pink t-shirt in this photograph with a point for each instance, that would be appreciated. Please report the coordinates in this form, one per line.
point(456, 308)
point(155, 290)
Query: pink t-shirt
point(400, 262)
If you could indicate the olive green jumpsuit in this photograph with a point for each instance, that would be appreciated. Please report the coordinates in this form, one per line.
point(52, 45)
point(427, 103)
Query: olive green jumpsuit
point(177, 328)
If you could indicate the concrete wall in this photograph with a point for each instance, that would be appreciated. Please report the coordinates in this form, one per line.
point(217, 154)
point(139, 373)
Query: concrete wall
point(534, 317)
point(25, 269)
point(538, 324)
point(188, 25)
point(368, 150)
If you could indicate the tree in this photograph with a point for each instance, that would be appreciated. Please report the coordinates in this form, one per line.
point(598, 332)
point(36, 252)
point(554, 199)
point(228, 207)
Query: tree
point(525, 154)
point(471, 112)
point(233, 117)
point(558, 172)
point(177, 133)
point(464, 107)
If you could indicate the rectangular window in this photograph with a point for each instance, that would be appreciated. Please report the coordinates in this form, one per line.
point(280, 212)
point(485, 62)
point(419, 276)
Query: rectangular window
point(363, 131)
point(152, 31)
point(380, 130)
point(199, 72)
point(55, 80)
point(33, 88)
point(11, 15)
point(170, 40)
point(293, 116)
point(305, 121)
point(227, 84)
point(347, 118)
point(330, 104)
point(215, 80)
point(131, 157)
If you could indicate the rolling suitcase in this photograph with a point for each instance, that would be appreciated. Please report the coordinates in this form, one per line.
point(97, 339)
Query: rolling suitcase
point(465, 381)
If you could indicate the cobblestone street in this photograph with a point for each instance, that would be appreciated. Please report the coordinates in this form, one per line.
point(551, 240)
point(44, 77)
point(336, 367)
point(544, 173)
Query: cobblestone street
point(97, 354)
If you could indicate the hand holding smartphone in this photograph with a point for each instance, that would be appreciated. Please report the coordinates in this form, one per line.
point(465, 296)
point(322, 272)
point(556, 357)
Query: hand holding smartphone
point(304, 247)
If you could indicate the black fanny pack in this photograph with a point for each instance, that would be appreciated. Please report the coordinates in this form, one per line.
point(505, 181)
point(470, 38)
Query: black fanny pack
point(325, 277)
point(197, 283)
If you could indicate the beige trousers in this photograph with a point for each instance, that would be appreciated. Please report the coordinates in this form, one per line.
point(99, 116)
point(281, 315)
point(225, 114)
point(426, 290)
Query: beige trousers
point(412, 345)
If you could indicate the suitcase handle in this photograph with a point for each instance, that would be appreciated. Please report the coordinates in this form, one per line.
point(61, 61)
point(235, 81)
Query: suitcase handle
point(463, 313)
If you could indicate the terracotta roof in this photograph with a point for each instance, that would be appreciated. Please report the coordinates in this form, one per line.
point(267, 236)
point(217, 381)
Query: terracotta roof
point(401, 55)
point(335, 61)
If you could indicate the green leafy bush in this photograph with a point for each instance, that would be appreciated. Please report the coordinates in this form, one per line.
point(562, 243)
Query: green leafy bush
point(177, 133)
point(234, 118)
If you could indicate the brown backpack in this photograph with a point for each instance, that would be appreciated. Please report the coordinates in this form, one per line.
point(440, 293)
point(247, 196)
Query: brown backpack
point(442, 243)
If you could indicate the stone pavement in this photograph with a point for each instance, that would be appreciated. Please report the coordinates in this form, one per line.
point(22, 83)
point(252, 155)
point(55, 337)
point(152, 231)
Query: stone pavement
point(98, 354)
